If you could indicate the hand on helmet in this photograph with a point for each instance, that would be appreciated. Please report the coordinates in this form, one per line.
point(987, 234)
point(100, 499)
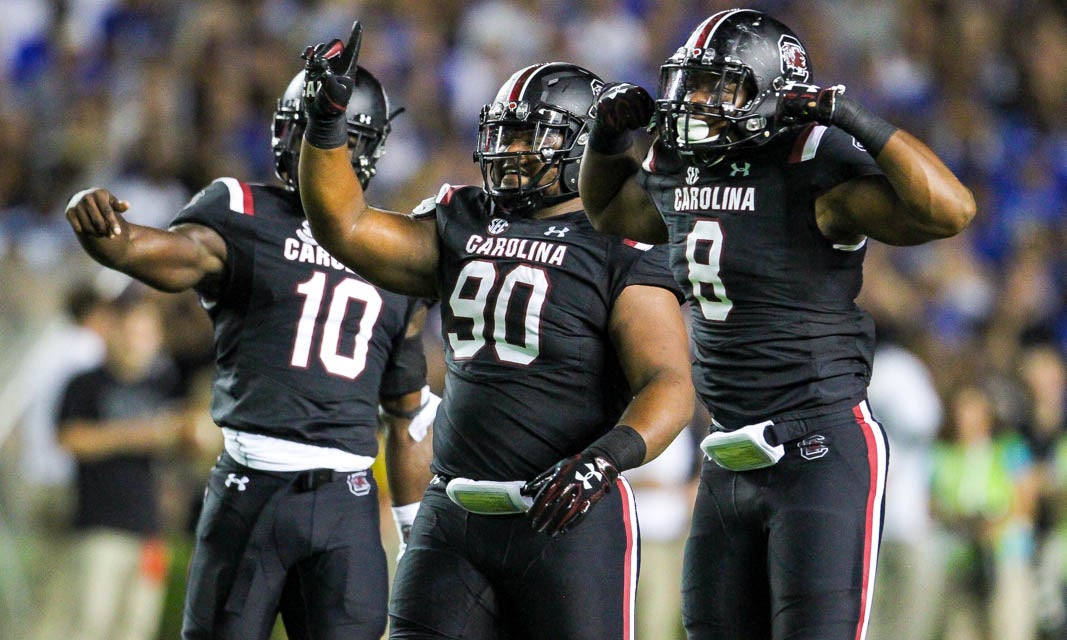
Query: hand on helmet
point(329, 69)
point(799, 103)
point(95, 213)
point(563, 494)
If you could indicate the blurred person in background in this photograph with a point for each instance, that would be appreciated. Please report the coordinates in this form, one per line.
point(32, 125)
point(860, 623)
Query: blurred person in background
point(664, 490)
point(306, 355)
point(767, 189)
point(984, 496)
point(1043, 373)
point(905, 398)
point(119, 420)
point(567, 364)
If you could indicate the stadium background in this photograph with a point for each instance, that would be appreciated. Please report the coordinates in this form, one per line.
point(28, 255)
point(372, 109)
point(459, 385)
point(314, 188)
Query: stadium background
point(154, 98)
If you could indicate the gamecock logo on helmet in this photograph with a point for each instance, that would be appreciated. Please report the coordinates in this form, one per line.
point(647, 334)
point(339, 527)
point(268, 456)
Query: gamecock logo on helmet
point(794, 58)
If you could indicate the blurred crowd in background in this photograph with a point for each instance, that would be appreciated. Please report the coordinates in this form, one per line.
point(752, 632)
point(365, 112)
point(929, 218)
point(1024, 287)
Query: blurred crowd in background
point(155, 98)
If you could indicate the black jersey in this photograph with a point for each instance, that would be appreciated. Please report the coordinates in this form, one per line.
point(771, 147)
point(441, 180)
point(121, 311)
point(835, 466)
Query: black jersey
point(525, 304)
point(301, 342)
point(776, 329)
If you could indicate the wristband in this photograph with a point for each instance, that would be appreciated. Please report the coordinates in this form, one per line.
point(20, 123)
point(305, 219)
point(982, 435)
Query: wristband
point(623, 447)
point(870, 130)
point(327, 133)
point(608, 143)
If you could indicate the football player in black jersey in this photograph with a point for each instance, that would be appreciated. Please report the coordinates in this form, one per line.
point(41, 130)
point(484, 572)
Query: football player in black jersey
point(567, 363)
point(307, 356)
point(767, 188)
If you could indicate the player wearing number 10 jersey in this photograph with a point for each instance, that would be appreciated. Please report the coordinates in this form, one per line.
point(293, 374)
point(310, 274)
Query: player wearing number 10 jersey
point(567, 362)
point(305, 352)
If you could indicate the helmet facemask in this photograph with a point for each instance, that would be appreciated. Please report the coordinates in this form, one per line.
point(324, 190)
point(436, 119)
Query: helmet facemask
point(366, 120)
point(735, 48)
point(708, 109)
point(523, 152)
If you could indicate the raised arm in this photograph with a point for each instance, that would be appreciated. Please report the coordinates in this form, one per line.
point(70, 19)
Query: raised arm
point(390, 249)
point(919, 200)
point(183, 257)
point(613, 200)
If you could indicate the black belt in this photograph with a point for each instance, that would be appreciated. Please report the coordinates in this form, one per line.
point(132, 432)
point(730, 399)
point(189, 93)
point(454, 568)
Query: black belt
point(307, 480)
point(314, 478)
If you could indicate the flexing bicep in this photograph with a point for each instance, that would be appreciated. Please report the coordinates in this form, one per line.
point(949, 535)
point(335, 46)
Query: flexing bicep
point(613, 200)
point(649, 334)
point(917, 200)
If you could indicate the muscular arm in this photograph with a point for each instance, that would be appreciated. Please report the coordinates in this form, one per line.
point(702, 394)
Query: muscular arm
point(392, 250)
point(918, 200)
point(613, 200)
point(186, 256)
point(650, 337)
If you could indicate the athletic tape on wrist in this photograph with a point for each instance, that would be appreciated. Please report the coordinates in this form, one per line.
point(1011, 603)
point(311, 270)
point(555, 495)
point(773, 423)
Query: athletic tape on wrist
point(623, 447)
point(870, 130)
point(327, 133)
point(608, 143)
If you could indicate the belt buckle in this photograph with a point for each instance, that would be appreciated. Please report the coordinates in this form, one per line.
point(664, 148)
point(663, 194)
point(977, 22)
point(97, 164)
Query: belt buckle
point(313, 479)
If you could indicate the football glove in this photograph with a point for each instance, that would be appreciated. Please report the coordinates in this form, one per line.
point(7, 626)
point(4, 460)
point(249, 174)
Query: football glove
point(799, 103)
point(328, 84)
point(620, 108)
point(564, 493)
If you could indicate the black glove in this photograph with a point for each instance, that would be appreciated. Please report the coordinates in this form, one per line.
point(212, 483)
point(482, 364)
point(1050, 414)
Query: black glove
point(799, 103)
point(620, 108)
point(329, 70)
point(564, 493)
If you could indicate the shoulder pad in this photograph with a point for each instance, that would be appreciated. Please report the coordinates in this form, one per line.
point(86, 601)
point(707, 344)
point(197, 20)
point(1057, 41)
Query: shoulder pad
point(443, 198)
point(232, 193)
point(807, 143)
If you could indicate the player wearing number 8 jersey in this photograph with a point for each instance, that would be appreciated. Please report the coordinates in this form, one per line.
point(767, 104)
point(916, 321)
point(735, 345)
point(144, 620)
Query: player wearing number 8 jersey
point(567, 362)
point(305, 352)
point(767, 188)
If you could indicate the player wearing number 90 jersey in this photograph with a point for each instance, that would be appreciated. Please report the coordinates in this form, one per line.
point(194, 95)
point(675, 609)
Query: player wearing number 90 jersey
point(567, 362)
point(306, 355)
point(525, 307)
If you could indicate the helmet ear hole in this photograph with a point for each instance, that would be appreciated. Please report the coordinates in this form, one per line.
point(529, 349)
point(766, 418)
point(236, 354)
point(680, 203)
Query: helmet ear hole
point(570, 177)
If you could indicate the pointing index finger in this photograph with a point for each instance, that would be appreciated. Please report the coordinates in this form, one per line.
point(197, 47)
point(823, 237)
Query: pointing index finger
point(351, 52)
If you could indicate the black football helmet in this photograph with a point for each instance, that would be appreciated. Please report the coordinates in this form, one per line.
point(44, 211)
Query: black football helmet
point(546, 108)
point(739, 51)
point(368, 119)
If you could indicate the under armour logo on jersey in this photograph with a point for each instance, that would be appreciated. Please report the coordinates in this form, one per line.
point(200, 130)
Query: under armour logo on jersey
point(740, 170)
point(813, 448)
point(584, 478)
point(232, 479)
point(497, 226)
point(692, 174)
point(553, 231)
